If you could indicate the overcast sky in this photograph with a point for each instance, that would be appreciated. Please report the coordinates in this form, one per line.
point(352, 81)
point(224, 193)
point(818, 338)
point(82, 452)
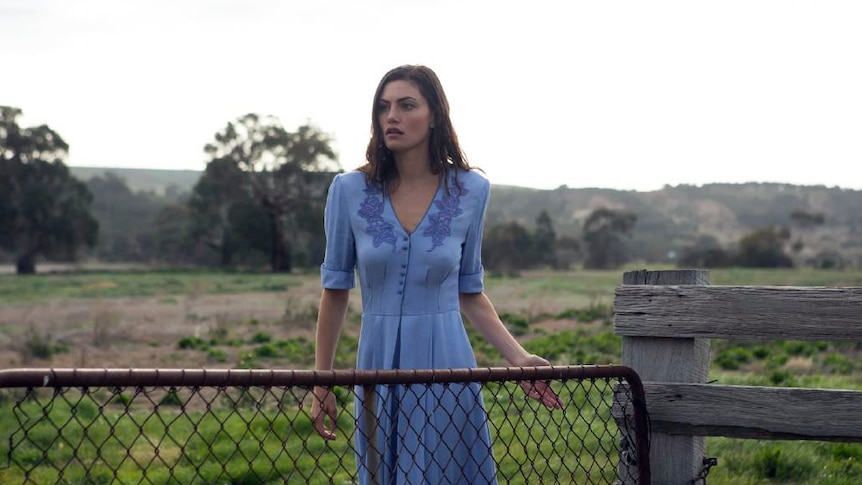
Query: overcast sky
point(628, 95)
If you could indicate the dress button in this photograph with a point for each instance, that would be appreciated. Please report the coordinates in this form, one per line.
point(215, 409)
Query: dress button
point(405, 238)
point(404, 248)
point(399, 292)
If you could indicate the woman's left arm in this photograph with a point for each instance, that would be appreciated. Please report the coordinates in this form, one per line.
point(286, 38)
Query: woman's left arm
point(477, 307)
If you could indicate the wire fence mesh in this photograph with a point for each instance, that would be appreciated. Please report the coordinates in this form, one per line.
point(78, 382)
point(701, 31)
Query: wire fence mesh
point(88, 426)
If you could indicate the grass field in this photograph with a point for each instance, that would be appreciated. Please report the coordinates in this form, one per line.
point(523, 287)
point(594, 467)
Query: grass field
point(214, 319)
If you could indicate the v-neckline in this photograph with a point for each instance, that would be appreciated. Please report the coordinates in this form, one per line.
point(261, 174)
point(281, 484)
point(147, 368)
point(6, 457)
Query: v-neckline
point(394, 213)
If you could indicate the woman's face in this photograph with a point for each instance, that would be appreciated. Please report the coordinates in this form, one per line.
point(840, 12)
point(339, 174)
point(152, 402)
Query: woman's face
point(404, 116)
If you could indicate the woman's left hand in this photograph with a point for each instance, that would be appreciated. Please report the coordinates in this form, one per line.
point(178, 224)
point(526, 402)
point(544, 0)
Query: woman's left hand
point(539, 390)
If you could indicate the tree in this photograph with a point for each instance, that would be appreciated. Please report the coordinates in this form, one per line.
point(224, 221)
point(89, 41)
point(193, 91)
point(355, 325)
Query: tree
point(603, 232)
point(706, 252)
point(507, 247)
point(221, 188)
point(807, 219)
point(43, 209)
point(764, 248)
point(805, 226)
point(544, 240)
point(286, 174)
point(169, 235)
point(568, 252)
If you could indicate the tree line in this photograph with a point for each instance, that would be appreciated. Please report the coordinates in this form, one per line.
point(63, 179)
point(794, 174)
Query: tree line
point(259, 203)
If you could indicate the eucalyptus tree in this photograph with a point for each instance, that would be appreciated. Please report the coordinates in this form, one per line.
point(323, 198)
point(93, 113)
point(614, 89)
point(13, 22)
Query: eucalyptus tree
point(285, 174)
point(603, 235)
point(44, 211)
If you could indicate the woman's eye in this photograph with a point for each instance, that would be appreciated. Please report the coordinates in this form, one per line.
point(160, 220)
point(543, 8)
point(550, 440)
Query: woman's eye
point(407, 106)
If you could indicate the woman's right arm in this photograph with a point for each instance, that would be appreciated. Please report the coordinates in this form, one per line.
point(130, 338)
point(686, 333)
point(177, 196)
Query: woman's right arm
point(330, 319)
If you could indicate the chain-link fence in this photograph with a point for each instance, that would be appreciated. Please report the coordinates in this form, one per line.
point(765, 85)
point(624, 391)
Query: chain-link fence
point(470, 426)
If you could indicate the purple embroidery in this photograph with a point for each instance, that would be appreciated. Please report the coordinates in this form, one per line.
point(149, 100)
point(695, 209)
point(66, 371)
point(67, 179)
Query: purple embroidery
point(371, 209)
point(448, 207)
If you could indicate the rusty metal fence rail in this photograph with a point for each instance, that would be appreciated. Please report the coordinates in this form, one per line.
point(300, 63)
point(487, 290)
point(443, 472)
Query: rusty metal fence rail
point(200, 426)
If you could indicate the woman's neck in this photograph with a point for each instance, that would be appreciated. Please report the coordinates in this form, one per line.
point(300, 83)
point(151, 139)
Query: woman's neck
point(413, 166)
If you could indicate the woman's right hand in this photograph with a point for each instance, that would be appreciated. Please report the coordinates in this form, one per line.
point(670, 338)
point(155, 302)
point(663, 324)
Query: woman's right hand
point(324, 407)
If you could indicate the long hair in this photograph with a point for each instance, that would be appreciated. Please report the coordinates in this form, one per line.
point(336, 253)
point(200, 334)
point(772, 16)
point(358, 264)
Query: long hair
point(444, 151)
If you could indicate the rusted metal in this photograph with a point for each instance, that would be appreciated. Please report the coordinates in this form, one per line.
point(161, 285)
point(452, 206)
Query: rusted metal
point(223, 380)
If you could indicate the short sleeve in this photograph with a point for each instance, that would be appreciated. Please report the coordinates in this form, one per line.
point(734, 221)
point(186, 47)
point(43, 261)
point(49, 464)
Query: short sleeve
point(337, 270)
point(471, 278)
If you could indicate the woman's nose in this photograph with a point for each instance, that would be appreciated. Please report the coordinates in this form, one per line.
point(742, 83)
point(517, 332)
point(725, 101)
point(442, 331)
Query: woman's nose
point(392, 114)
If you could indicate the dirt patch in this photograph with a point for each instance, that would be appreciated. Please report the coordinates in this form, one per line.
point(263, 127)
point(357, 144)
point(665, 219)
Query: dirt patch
point(145, 332)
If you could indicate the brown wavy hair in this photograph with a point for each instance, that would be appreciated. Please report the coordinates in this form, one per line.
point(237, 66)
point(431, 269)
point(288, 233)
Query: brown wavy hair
point(444, 151)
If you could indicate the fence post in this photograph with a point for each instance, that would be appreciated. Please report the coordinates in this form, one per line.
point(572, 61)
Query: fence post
point(674, 459)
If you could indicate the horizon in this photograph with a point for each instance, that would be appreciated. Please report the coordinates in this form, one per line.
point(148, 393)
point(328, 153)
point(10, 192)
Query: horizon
point(624, 95)
point(507, 185)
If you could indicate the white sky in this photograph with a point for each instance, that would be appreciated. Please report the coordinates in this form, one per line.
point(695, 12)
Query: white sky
point(617, 94)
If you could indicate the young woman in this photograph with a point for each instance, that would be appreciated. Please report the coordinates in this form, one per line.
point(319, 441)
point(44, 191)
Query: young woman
point(410, 221)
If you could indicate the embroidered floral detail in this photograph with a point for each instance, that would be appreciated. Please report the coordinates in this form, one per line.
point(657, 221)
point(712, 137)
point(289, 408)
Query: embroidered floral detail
point(448, 208)
point(371, 209)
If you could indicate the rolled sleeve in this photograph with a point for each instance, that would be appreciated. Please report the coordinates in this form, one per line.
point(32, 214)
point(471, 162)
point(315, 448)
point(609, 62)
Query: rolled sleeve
point(472, 276)
point(339, 262)
point(472, 283)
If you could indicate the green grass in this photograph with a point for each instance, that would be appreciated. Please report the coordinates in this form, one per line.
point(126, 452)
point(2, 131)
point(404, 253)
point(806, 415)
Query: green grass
point(752, 462)
point(581, 294)
point(580, 288)
point(164, 284)
point(785, 277)
point(250, 436)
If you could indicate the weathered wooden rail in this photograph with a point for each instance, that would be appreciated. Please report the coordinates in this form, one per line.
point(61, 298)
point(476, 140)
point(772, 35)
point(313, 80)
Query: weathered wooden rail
point(666, 319)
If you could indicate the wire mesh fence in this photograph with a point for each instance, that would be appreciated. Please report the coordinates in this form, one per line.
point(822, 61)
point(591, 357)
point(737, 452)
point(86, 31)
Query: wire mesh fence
point(470, 426)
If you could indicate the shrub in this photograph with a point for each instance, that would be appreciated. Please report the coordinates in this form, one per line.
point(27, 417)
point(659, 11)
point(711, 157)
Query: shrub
point(806, 349)
point(39, 345)
point(122, 399)
point(782, 378)
point(760, 352)
point(247, 361)
point(837, 363)
point(596, 311)
point(171, 399)
point(217, 355)
point(732, 358)
point(193, 343)
point(770, 464)
point(267, 351)
point(261, 338)
point(516, 324)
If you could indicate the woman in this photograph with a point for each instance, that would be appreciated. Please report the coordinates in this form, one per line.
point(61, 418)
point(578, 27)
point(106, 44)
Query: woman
point(410, 220)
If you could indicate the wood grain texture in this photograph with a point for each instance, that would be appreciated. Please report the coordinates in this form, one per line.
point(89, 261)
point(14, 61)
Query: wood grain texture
point(755, 412)
point(674, 459)
point(739, 312)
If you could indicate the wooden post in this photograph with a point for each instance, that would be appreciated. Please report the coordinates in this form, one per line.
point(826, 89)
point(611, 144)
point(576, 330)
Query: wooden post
point(674, 459)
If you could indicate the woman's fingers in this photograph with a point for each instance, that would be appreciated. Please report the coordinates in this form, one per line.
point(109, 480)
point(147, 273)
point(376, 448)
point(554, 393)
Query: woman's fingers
point(542, 392)
point(322, 409)
point(321, 428)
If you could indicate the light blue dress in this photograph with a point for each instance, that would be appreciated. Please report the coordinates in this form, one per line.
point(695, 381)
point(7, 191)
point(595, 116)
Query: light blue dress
point(411, 319)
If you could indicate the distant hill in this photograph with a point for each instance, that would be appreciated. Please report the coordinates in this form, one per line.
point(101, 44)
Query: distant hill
point(672, 218)
point(668, 219)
